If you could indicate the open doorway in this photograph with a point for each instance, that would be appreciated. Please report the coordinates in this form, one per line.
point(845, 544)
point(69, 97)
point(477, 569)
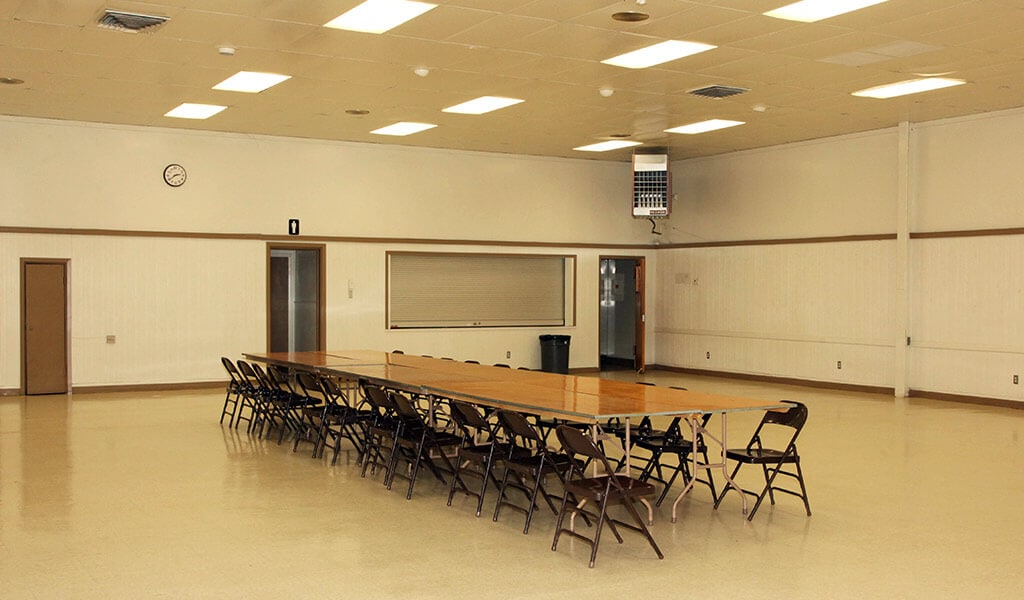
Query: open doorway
point(621, 329)
point(296, 307)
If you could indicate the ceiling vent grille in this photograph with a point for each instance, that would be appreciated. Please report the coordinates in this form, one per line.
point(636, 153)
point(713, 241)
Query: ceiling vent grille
point(718, 91)
point(129, 22)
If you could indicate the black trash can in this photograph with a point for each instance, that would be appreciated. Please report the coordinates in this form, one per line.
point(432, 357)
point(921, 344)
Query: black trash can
point(554, 353)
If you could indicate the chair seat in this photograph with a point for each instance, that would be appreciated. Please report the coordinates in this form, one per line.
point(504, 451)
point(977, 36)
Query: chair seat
point(760, 456)
point(594, 487)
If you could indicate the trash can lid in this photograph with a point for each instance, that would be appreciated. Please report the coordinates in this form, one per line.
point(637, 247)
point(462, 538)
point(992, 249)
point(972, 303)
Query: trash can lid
point(554, 338)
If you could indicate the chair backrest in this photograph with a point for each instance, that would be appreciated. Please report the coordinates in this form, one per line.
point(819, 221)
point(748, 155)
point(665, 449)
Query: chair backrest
point(311, 387)
point(467, 417)
point(793, 418)
point(230, 368)
point(378, 399)
point(333, 390)
point(257, 379)
point(577, 443)
point(518, 430)
point(405, 410)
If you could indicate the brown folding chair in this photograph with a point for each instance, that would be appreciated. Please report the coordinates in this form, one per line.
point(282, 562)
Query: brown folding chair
point(789, 422)
point(604, 489)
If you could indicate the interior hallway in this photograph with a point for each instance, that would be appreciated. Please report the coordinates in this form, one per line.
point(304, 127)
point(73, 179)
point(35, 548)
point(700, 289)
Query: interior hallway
point(144, 495)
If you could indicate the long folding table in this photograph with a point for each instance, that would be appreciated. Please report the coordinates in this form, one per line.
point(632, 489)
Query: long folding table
point(575, 398)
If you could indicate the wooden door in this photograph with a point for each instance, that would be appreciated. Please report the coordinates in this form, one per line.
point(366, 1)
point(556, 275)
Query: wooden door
point(45, 326)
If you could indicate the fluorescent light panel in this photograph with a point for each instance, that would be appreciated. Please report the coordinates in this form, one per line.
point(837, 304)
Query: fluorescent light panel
point(657, 54)
point(403, 128)
point(250, 82)
point(704, 126)
point(378, 16)
point(606, 146)
point(189, 110)
point(809, 11)
point(481, 105)
point(910, 86)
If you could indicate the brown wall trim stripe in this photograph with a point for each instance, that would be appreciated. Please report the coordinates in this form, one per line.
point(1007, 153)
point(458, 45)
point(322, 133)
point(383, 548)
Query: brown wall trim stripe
point(783, 241)
point(873, 237)
point(298, 239)
point(967, 233)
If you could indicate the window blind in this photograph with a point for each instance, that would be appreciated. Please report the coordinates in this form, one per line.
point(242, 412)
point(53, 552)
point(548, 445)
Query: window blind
point(477, 290)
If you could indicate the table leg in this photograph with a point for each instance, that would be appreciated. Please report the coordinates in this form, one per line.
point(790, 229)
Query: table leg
point(698, 429)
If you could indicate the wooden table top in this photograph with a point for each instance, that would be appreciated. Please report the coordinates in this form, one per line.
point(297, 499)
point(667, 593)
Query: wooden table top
point(574, 397)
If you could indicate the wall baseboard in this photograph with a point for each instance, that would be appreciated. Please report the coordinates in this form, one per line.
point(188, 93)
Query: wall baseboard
point(980, 400)
point(147, 387)
point(830, 385)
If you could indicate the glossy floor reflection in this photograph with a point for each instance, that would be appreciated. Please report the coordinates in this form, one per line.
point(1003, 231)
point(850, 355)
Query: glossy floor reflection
point(146, 496)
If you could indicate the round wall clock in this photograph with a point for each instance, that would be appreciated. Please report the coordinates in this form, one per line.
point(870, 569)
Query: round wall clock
point(175, 175)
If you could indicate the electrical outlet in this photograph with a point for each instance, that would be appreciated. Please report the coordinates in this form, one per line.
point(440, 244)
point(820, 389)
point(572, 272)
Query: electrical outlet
point(112, 339)
point(508, 354)
point(708, 356)
point(839, 364)
point(1016, 380)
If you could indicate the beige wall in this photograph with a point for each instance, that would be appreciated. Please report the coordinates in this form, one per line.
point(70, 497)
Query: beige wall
point(175, 304)
point(785, 310)
point(794, 310)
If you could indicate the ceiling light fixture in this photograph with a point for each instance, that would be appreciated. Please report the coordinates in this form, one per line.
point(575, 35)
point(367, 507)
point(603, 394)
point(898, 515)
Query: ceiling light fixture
point(250, 82)
point(910, 86)
point(657, 54)
point(421, 71)
point(606, 92)
point(809, 11)
point(378, 16)
point(189, 110)
point(11, 81)
point(403, 128)
point(606, 146)
point(481, 105)
point(705, 126)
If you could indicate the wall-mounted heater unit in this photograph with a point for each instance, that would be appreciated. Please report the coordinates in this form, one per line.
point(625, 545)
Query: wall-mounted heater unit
point(652, 186)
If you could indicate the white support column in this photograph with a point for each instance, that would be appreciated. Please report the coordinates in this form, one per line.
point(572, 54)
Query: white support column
point(901, 295)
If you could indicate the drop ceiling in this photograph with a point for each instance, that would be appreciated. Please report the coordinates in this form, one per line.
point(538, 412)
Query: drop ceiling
point(546, 52)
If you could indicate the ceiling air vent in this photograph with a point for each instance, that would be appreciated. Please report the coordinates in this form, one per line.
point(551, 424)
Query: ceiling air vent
point(718, 91)
point(129, 22)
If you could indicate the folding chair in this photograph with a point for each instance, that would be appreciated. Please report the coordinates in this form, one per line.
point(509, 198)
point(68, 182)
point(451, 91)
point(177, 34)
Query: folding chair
point(789, 422)
point(603, 489)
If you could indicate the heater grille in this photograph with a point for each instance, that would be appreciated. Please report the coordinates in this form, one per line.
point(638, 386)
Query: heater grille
point(652, 191)
point(129, 22)
point(718, 91)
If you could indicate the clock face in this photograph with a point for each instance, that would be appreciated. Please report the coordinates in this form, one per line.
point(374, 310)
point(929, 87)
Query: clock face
point(174, 175)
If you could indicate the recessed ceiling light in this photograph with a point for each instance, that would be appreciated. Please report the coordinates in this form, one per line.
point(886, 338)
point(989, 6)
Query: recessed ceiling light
point(189, 110)
point(606, 146)
point(250, 82)
point(403, 128)
point(481, 105)
point(657, 54)
point(378, 16)
point(809, 11)
point(704, 126)
point(910, 86)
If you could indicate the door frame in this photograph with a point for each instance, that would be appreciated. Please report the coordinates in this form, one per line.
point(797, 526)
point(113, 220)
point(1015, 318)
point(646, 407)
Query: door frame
point(66, 264)
point(640, 263)
point(321, 285)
